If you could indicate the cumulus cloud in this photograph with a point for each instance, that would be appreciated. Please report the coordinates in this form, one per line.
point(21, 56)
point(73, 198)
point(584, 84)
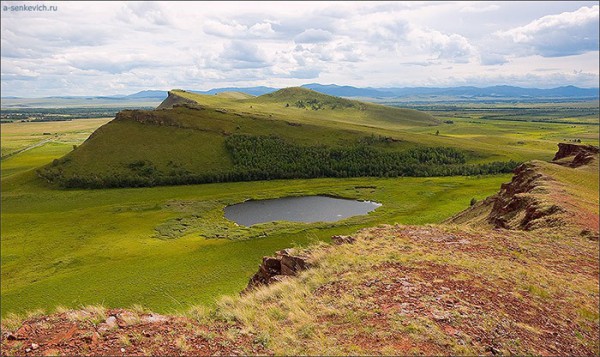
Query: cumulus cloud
point(100, 48)
point(242, 54)
point(313, 36)
point(452, 47)
point(234, 29)
point(565, 34)
point(492, 59)
point(144, 14)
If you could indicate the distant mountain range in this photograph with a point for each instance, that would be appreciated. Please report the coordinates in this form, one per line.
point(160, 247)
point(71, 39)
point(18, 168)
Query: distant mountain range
point(376, 94)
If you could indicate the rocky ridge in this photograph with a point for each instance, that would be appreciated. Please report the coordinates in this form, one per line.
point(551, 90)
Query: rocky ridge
point(533, 199)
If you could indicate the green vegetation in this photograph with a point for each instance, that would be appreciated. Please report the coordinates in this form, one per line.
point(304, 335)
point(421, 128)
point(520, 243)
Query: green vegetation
point(159, 246)
point(271, 157)
point(58, 114)
point(74, 247)
point(203, 139)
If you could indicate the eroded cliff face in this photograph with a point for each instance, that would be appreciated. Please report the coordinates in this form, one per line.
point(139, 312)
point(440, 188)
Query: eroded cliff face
point(533, 199)
point(579, 151)
point(174, 100)
point(523, 202)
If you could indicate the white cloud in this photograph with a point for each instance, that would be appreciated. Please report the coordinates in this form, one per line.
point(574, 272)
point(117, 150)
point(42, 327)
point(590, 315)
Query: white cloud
point(565, 34)
point(103, 47)
point(451, 47)
point(242, 54)
point(236, 30)
point(491, 59)
point(479, 7)
point(313, 36)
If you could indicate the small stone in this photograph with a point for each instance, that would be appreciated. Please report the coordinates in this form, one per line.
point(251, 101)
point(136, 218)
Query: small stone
point(153, 318)
point(493, 350)
point(111, 321)
point(122, 350)
point(338, 240)
point(440, 317)
point(11, 337)
point(35, 346)
point(28, 350)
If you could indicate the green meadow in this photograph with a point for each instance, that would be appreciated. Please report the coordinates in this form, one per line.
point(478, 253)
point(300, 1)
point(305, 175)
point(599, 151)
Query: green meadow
point(169, 247)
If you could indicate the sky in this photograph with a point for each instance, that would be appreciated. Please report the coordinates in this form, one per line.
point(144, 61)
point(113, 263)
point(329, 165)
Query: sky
point(104, 48)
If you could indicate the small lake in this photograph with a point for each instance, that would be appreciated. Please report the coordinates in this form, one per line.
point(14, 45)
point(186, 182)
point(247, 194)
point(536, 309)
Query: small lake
point(306, 209)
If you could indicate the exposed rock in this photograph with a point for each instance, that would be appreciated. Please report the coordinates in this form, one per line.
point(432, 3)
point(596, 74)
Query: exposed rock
point(109, 324)
point(275, 269)
point(152, 318)
point(23, 331)
point(291, 264)
point(11, 337)
point(566, 150)
point(339, 240)
point(173, 100)
point(583, 158)
point(111, 321)
point(517, 206)
point(590, 234)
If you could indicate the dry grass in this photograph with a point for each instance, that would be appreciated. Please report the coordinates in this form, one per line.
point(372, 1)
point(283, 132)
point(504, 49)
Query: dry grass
point(94, 314)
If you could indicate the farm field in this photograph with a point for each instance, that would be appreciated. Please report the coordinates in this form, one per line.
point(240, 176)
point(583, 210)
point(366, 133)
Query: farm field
point(169, 247)
point(39, 142)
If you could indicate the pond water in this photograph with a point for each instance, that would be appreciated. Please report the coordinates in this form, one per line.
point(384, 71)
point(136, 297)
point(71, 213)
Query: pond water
point(297, 209)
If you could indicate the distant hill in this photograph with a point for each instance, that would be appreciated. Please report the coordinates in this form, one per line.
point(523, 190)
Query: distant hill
point(248, 90)
point(465, 93)
point(475, 92)
point(290, 133)
point(159, 94)
point(348, 91)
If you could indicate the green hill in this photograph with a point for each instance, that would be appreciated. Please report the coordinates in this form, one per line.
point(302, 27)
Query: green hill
point(292, 133)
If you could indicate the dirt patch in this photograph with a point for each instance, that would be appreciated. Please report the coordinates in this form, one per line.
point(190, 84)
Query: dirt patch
point(127, 333)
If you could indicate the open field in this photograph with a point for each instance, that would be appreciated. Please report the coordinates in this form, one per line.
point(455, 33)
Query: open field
point(529, 130)
point(125, 246)
point(165, 247)
point(20, 135)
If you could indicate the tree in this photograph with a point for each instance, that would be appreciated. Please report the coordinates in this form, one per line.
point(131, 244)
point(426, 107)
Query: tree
point(473, 201)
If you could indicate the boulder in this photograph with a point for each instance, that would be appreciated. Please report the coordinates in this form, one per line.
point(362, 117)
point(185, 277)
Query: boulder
point(277, 268)
point(290, 264)
point(339, 240)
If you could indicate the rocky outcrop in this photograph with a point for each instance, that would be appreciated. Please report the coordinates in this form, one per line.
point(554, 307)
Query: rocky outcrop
point(173, 100)
point(277, 268)
point(583, 154)
point(339, 240)
point(530, 201)
point(519, 204)
point(523, 203)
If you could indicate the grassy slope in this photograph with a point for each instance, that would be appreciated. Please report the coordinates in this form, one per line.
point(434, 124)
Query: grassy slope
point(79, 246)
point(193, 139)
point(398, 290)
point(33, 213)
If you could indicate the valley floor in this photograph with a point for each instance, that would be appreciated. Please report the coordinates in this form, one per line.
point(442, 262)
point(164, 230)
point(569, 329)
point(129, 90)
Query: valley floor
point(392, 289)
